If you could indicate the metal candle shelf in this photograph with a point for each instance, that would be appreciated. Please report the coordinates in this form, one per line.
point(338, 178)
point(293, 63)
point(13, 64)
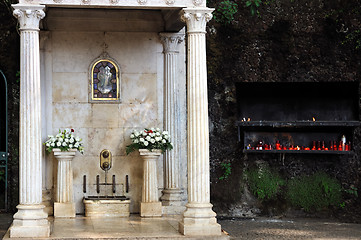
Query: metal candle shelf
point(306, 123)
point(295, 130)
point(297, 115)
point(300, 151)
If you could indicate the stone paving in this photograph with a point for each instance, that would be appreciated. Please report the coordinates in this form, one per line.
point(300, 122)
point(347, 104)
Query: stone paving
point(133, 227)
point(166, 228)
point(269, 229)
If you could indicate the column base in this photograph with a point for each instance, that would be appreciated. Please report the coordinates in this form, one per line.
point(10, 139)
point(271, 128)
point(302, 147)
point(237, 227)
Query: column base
point(64, 210)
point(30, 221)
point(199, 219)
point(150, 209)
point(172, 197)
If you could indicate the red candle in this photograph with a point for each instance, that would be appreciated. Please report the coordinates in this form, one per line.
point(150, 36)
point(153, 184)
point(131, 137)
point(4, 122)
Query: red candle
point(313, 145)
point(278, 145)
point(340, 146)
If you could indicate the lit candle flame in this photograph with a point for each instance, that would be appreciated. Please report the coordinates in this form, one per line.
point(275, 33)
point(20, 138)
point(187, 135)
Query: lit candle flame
point(314, 119)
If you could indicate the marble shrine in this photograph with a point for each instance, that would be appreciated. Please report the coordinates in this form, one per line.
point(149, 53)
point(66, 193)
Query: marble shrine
point(105, 68)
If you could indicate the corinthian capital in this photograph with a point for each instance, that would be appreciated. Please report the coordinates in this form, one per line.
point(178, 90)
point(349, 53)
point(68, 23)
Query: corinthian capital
point(171, 41)
point(196, 19)
point(29, 16)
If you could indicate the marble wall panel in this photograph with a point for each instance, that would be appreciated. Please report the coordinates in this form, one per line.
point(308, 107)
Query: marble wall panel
point(135, 52)
point(71, 115)
point(74, 51)
point(70, 87)
point(143, 88)
point(139, 115)
point(104, 115)
point(106, 138)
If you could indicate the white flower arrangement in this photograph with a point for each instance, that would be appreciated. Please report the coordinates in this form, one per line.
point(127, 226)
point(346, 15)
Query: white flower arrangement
point(64, 140)
point(149, 138)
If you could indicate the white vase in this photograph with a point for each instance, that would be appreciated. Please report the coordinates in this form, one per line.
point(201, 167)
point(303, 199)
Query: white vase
point(150, 205)
point(64, 204)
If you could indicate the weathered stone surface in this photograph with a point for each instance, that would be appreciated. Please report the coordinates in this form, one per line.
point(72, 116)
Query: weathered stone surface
point(106, 208)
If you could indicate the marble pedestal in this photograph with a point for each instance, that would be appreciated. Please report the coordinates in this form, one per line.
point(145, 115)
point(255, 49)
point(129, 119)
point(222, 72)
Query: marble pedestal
point(64, 205)
point(150, 205)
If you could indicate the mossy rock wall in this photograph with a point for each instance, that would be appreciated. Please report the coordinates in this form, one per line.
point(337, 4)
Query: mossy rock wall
point(290, 41)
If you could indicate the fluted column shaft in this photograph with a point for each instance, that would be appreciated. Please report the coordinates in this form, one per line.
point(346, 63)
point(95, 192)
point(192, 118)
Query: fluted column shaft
point(198, 133)
point(198, 219)
point(150, 189)
point(30, 220)
point(150, 205)
point(30, 114)
point(64, 189)
point(171, 42)
point(64, 204)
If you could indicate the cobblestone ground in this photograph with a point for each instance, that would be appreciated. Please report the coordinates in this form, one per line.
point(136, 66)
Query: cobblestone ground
point(268, 229)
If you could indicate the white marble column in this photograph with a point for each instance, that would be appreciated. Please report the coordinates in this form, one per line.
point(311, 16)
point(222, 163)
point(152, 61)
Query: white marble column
point(172, 192)
point(30, 220)
point(198, 219)
point(64, 204)
point(150, 205)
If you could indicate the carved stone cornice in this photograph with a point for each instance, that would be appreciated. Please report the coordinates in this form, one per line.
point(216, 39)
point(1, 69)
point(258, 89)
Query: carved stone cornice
point(196, 19)
point(171, 41)
point(29, 16)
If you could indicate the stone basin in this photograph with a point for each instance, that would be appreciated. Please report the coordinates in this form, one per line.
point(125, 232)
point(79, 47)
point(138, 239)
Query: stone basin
point(106, 206)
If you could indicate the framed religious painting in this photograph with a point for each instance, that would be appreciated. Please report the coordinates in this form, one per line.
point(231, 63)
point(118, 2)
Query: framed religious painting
point(104, 87)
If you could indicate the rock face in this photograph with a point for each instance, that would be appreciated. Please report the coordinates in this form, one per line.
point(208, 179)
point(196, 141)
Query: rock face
point(289, 41)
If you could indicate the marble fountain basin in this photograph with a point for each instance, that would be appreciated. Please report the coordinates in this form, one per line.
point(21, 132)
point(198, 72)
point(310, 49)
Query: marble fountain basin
point(106, 206)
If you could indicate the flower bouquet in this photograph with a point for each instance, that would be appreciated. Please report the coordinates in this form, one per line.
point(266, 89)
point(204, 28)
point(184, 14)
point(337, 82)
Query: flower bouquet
point(64, 140)
point(151, 139)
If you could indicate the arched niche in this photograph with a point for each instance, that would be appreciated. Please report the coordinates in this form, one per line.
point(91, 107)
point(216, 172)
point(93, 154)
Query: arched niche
point(104, 81)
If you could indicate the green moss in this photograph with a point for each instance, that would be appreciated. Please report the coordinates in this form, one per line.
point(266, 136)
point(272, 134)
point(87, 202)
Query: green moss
point(226, 167)
point(313, 193)
point(225, 11)
point(264, 183)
